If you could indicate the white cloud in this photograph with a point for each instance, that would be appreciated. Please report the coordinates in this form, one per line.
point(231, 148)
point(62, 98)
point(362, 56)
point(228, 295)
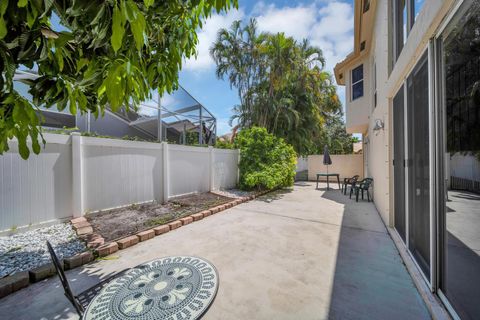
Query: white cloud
point(328, 26)
point(293, 21)
point(207, 36)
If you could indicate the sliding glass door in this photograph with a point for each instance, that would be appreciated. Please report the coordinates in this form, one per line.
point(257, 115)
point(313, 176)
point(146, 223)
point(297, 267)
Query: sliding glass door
point(418, 142)
point(459, 161)
point(411, 165)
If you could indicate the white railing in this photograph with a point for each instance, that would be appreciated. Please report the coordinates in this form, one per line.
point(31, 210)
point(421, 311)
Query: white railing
point(74, 175)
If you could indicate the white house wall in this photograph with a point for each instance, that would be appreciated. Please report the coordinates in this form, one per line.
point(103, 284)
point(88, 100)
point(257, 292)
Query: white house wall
point(378, 152)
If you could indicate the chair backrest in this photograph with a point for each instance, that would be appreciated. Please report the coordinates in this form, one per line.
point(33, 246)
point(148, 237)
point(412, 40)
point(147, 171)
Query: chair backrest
point(63, 279)
point(365, 184)
point(353, 179)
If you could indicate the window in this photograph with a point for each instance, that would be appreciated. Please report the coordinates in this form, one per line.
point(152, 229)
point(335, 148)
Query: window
point(404, 14)
point(417, 8)
point(357, 82)
point(400, 18)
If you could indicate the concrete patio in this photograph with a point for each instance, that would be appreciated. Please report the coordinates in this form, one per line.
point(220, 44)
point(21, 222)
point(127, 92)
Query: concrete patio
point(294, 254)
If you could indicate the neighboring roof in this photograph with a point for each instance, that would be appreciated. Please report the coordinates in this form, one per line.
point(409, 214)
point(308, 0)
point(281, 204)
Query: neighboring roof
point(178, 109)
point(363, 29)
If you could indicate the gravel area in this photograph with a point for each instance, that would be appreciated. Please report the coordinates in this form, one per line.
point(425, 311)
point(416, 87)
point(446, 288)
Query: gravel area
point(26, 251)
point(234, 193)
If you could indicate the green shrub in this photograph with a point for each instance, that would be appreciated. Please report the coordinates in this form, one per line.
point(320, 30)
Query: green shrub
point(223, 144)
point(266, 162)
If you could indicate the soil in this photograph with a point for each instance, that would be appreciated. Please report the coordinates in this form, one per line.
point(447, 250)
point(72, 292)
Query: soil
point(118, 223)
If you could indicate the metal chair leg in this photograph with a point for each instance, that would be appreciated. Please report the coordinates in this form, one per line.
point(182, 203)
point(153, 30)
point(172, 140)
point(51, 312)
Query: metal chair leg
point(356, 196)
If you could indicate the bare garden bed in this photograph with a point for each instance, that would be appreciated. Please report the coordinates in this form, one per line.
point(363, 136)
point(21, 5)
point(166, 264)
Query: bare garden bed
point(118, 223)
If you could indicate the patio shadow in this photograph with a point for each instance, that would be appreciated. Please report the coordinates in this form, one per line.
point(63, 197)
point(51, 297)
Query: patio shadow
point(370, 280)
point(49, 297)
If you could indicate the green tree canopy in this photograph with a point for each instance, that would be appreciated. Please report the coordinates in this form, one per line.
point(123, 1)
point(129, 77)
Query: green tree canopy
point(112, 53)
point(281, 83)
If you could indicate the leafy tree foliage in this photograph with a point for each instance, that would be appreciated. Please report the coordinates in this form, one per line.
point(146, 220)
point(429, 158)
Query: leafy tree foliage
point(281, 83)
point(335, 136)
point(223, 144)
point(111, 53)
point(266, 161)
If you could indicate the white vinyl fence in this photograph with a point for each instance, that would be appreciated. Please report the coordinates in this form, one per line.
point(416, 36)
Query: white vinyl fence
point(74, 175)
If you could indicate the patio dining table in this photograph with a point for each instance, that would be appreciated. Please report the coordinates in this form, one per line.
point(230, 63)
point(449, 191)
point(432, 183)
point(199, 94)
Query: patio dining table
point(328, 175)
point(179, 287)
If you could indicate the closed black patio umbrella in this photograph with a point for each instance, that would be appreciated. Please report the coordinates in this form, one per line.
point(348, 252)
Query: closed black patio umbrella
point(326, 157)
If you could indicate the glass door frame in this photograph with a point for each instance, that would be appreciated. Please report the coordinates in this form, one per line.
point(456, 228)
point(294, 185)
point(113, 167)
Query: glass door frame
point(438, 76)
point(431, 129)
point(437, 184)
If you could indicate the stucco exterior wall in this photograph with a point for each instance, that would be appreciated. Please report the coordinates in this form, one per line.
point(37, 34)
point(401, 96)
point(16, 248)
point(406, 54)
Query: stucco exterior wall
point(359, 109)
point(346, 165)
point(378, 144)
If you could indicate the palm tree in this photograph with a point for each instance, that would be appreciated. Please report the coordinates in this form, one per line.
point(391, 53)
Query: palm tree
point(282, 84)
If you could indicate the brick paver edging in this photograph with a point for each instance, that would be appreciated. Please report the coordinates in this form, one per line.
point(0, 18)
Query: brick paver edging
point(98, 248)
point(156, 231)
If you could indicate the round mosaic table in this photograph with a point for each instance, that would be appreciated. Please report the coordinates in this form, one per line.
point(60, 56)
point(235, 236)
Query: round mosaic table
point(180, 287)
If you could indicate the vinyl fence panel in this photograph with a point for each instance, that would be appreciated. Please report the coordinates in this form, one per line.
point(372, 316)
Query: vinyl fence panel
point(75, 175)
point(37, 190)
point(188, 170)
point(118, 172)
point(225, 168)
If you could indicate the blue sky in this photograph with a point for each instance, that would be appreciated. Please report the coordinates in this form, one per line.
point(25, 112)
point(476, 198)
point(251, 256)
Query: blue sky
point(327, 24)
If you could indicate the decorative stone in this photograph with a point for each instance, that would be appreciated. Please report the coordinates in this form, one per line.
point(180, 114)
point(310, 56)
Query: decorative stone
point(13, 283)
point(81, 224)
point(218, 208)
point(84, 230)
point(78, 220)
point(197, 216)
point(161, 229)
point(28, 250)
point(206, 213)
point(87, 257)
point(127, 242)
point(175, 224)
point(73, 262)
point(186, 220)
point(95, 242)
point(107, 249)
point(146, 235)
point(43, 272)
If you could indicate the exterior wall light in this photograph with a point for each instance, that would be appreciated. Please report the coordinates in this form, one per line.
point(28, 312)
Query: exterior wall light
point(379, 125)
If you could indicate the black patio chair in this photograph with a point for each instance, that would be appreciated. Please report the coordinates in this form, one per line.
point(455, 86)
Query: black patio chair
point(349, 182)
point(362, 186)
point(81, 301)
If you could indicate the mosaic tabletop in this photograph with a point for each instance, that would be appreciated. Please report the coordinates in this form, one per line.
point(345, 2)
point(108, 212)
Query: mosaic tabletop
point(180, 287)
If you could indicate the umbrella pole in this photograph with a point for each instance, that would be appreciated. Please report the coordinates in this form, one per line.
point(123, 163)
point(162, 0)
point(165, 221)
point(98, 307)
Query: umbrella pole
point(327, 179)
